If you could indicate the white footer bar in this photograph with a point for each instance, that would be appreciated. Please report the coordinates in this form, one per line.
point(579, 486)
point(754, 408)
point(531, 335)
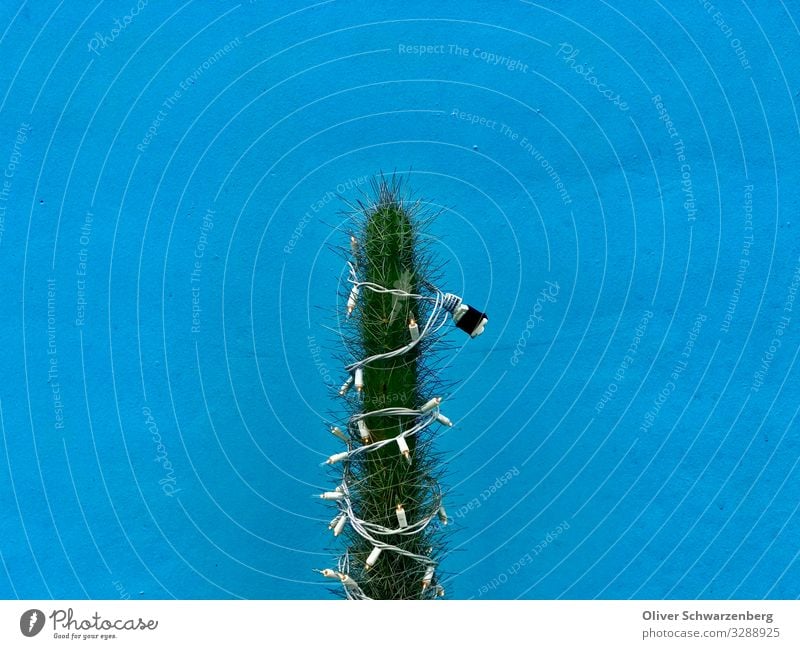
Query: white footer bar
point(534, 624)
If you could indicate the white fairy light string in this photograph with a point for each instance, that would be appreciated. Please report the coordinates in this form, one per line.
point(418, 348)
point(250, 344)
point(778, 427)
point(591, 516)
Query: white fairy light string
point(466, 318)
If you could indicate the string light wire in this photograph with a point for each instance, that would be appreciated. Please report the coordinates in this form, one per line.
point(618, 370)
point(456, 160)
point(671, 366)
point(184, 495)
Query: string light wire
point(440, 306)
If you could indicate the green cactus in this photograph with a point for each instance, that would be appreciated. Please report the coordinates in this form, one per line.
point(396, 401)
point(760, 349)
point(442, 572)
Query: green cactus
point(387, 252)
point(388, 479)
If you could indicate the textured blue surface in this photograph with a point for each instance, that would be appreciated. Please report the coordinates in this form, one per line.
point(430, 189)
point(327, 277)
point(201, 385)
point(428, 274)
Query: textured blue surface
point(656, 192)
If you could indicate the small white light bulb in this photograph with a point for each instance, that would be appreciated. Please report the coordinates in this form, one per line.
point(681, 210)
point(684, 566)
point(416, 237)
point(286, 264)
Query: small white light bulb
point(340, 525)
point(431, 404)
point(339, 433)
point(354, 245)
point(359, 378)
point(351, 300)
point(401, 442)
point(363, 431)
point(347, 580)
point(373, 557)
point(332, 495)
point(402, 521)
point(337, 457)
point(346, 386)
point(330, 574)
point(413, 329)
point(427, 578)
point(442, 513)
point(443, 420)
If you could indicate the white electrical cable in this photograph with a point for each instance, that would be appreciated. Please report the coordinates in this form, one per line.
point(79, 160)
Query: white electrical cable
point(423, 417)
point(436, 320)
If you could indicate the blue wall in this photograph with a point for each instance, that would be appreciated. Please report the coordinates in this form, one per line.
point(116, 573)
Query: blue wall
point(619, 191)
